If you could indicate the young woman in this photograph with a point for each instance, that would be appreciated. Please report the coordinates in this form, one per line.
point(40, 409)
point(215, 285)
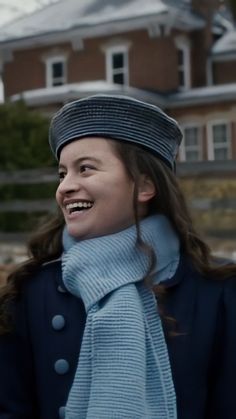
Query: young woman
point(121, 312)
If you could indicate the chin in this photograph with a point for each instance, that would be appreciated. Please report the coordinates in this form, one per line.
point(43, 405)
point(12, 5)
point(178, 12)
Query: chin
point(79, 235)
point(73, 232)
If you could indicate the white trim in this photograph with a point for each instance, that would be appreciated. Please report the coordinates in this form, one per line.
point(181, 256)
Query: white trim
point(224, 56)
point(210, 139)
point(77, 43)
point(157, 29)
point(110, 71)
point(116, 42)
point(198, 147)
point(49, 66)
point(183, 45)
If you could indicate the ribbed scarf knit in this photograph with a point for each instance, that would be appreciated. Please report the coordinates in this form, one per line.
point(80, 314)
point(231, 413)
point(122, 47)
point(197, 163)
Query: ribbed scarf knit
point(123, 369)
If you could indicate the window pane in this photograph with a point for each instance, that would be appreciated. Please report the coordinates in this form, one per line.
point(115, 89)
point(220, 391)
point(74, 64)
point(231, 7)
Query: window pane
point(220, 133)
point(57, 69)
point(192, 145)
point(181, 78)
point(180, 57)
point(191, 136)
point(221, 154)
point(118, 60)
point(192, 155)
point(118, 78)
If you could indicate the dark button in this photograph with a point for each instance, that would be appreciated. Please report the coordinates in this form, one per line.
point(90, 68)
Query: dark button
point(61, 366)
point(58, 322)
point(61, 289)
point(62, 412)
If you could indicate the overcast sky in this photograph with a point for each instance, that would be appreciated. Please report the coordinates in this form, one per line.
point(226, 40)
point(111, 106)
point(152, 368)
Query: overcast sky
point(9, 9)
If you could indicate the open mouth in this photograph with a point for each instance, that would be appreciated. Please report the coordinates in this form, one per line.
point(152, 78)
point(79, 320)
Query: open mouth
point(79, 206)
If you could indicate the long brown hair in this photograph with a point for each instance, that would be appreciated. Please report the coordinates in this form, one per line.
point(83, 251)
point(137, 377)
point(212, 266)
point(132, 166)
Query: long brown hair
point(45, 244)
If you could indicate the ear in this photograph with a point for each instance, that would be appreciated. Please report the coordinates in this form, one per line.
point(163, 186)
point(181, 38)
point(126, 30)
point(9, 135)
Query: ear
point(146, 190)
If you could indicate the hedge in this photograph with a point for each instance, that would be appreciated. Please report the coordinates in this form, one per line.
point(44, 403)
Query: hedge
point(37, 191)
point(23, 138)
point(12, 222)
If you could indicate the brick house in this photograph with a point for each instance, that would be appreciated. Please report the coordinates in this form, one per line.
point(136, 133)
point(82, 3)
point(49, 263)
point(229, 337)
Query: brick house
point(179, 57)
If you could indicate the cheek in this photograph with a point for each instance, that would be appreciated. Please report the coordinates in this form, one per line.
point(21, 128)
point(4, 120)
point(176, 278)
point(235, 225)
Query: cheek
point(123, 192)
point(58, 196)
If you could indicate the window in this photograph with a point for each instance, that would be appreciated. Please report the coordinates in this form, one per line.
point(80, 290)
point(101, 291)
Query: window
point(191, 147)
point(219, 141)
point(183, 63)
point(117, 65)
point(56, 71)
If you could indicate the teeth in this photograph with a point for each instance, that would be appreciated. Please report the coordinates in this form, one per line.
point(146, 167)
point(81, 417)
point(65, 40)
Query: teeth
point(79, 205)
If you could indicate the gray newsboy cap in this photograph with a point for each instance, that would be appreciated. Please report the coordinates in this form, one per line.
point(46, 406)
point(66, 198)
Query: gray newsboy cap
point(117, 117)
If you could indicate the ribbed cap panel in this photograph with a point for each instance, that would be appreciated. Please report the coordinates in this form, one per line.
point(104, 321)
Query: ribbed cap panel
point(117, 117)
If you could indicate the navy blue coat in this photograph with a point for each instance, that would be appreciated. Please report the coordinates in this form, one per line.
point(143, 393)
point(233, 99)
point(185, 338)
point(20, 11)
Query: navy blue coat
point(38, 360)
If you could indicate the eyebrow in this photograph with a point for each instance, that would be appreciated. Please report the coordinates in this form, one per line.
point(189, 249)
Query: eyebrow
point(78, 161)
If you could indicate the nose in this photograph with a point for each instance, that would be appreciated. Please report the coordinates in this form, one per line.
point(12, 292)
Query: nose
point(68, 185)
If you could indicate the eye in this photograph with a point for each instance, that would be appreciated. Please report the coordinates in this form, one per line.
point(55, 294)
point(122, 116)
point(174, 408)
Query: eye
point(61, 175)
point(86, 168)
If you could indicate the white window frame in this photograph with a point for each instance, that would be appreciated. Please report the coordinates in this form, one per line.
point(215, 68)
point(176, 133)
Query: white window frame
point(49, 70)
point(183, 148)
point(110, 71)
point(210, 140)
point(183, 45)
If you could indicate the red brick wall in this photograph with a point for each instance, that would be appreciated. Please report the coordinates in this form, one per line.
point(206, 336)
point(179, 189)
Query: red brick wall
point(199, 53)
point(202, 40)
point(224, 72)
point(87, 64)
point(202, 112)
point(27, 70)
point(152, 63)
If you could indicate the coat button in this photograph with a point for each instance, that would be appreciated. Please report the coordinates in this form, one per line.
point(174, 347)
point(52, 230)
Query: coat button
point(62, 412)
point(61, 289)
point(58, 322)
point(61, 366)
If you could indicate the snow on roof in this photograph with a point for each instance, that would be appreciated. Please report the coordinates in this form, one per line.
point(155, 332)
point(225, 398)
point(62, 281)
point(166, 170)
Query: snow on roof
point(66, 15)
point(226, 44)
point(62, 94)
point(203, 95)
point(222, 20)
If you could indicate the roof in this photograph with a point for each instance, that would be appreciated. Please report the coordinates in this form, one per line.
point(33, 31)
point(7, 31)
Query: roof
point(226, 44)
point(203, 95)
point(87, 15)
point(73, 91)
point(222, 21)
point(68, 92)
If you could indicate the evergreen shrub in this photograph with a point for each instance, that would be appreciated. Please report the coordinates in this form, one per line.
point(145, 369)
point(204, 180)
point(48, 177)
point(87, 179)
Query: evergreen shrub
point(23, 138)
point(12, 222)
point(10, 192)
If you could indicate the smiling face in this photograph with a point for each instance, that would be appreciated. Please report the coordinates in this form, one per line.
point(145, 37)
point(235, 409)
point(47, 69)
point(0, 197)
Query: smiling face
point(95, 192)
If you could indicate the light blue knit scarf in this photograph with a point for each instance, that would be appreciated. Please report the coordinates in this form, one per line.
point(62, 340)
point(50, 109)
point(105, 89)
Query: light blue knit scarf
point(123, 370)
